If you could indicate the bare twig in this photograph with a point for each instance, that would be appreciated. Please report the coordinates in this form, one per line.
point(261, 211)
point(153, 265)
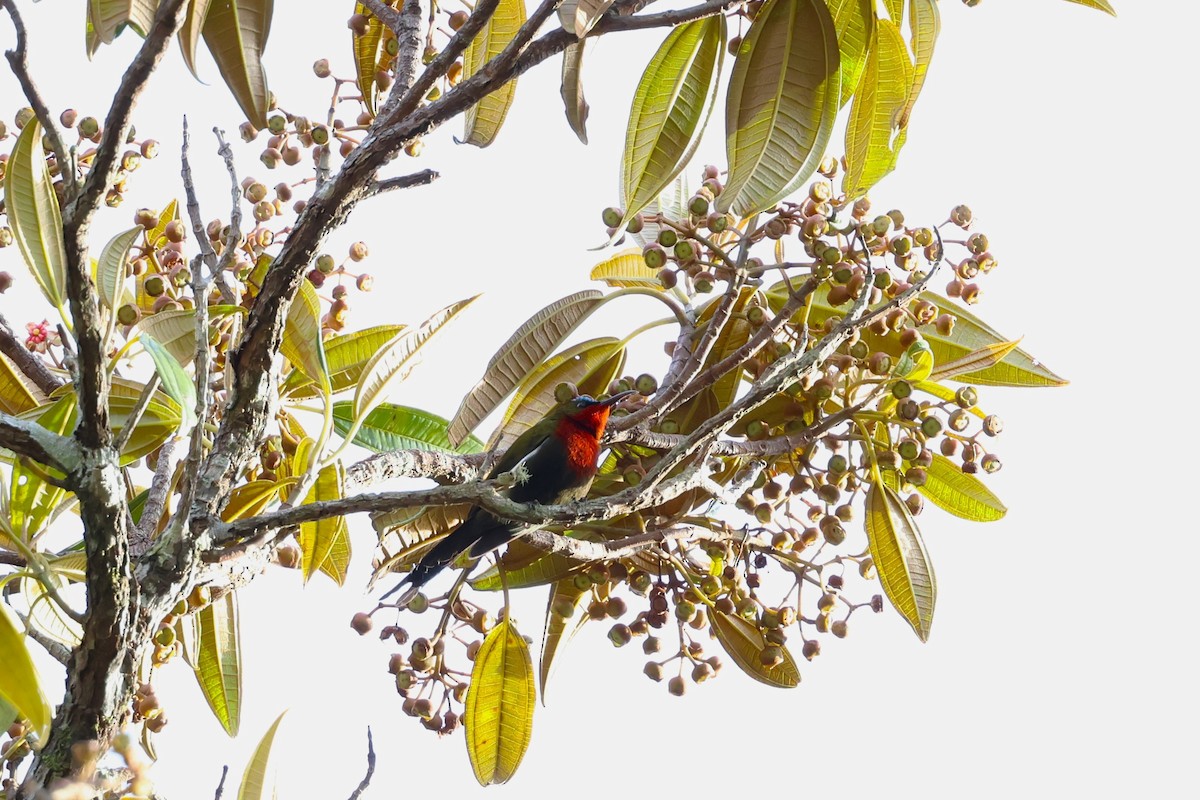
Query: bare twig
point(156, 500)
point(425, 176)
point(366, 781)
point(139, 408)
point(17, 60)
point(57, 650)
point(221, 784)
point(30, 365)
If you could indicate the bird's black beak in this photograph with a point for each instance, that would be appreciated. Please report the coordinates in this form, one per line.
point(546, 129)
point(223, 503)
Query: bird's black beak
point(618, 397)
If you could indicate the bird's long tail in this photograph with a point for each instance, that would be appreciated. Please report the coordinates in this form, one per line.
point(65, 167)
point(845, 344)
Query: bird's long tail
point(479, 528)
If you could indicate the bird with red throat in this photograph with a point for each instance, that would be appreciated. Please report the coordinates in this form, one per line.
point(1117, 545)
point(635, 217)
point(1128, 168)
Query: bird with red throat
point(554, 461)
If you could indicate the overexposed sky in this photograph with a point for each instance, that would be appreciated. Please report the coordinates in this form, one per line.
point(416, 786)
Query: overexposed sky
point(1061, 662)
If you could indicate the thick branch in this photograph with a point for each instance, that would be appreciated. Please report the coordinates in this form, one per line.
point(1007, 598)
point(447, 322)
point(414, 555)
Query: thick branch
point(30, 439)
point(415, 464)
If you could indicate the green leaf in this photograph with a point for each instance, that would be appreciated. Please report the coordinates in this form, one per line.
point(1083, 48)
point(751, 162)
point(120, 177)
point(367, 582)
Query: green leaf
point(33, 214)
point(1099, 5)
point(219, 660)
point(302, 344)
point(112, 269)
point(19, 684)
point(560, 628)
point(976, 360)
point(8, 714)
point(391, 427)
point(16, 395)
point(498, 713)
point(854, 21)
point(177, 384)
point(176, 329)
point(535, 396)
point(326, 541)
point(398, 357)
point(346, 357)
point(106, 19)
point(626, 268)
point(874, 134)
point(574, 103)
point(579, 16)
point(520, 355)
point(965, 496)
point(189, 33)
point(744, 642)
point(926, 22)
point(255, 778)
point(916, 362)
point(483, 120)
point(900, 558)
point(366, 55)
point(671, 106)
point(545, 568)
point(781, 105)
point(235, 32)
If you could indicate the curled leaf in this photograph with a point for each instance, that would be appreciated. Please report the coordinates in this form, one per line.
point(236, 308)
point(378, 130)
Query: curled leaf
point(574, 103)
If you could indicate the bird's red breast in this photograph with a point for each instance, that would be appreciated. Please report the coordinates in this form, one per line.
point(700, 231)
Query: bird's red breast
point(580, 434)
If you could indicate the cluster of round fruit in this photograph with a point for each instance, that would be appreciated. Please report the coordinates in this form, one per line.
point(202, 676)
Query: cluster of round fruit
point(431, 687)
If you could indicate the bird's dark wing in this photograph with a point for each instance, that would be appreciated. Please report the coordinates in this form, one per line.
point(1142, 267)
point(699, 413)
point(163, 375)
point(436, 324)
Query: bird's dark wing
point(525, 444)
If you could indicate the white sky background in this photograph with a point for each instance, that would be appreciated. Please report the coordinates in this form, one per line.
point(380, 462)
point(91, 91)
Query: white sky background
point(1061, 662)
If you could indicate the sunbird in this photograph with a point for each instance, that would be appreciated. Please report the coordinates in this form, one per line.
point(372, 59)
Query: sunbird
point(554, 461)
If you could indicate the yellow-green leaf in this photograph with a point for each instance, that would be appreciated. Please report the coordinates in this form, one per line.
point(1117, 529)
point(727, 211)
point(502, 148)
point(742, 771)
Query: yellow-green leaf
point(874, 134)
point(390, 427)
point(854, 20)
point(574, 103)
point(916, 362)
point(965, 496)
point(366, 55)
point(671, 203)
point(219, 660)
point(926, 22)
point(578, 16)
point(535, 396)
point(16, 395)
point(721, 392)
point(302, 344)
point(111, 269)
point(19, 684)
point(252, 498)
point(483, 120)
point(744, 642)
point(976, 360)
point(189, 33)
point(626, 268)
point(106, 19)
point(257, 778)
point(397, 358)
point(45, 615)
point(545, 568)
point(498, 714)
point(1099, 5)
point(235, 32)
point(520, 355)
point(346, 357)
point(406, 534)
point(782, 101)
point(33, 214)
point(176, 329)
point(671, 106)
point(895, 10)
point(31, 499)
point(560, 627)
point(900, 558)
point(326, 540)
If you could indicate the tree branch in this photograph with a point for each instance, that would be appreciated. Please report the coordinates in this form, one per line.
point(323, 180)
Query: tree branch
point(20, 66)
point(366, 781)
point(422, 178)
point(27, 438)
